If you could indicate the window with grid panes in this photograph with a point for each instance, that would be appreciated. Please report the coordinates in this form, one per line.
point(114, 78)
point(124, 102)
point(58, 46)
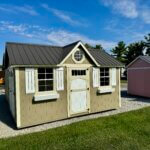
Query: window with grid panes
point(45, 79)
point(104, 77)
point(78, 72)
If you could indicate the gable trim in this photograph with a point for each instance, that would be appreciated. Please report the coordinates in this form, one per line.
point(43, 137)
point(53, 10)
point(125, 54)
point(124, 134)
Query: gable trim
point(71, 52)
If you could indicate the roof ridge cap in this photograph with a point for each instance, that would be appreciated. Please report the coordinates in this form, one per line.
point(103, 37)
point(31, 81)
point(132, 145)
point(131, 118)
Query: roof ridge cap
point(33, 44)
point(72, 43)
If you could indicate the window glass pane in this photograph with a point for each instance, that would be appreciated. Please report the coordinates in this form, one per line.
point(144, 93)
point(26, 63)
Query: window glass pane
point(102, 70)
point(102, 74)
point(49, 82)
point(106, 69)
point(102, 79)
point(41, 70)
point(41, 88)
point(49, 76)
point(79, 72)
point(82, 72)
point(107, 79)
point(76, 73)
point(41, 83)
point(102, 83)
point(106, 73)
point(49, 70)
point(73, 73)
point(49, 88)
point(41, 76)
point(49, 85)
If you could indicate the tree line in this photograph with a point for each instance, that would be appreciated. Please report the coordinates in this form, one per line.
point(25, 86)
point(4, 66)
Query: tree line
point(127, 53)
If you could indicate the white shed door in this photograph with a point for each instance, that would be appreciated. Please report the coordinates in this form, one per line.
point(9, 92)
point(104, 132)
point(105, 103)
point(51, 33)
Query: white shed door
point(78, 95)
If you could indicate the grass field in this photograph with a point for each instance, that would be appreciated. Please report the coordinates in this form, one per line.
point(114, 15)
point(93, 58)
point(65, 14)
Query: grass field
point(125, 131)
point(124, 81)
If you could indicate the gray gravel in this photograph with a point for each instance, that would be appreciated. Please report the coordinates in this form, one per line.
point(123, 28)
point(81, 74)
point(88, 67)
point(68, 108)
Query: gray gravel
point(7, 126)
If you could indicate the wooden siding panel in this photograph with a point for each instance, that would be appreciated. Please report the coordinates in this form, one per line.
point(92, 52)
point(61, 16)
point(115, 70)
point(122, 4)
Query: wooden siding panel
point(139, 82)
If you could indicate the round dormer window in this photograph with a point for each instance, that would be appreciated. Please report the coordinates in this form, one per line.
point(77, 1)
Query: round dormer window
point(78, 55)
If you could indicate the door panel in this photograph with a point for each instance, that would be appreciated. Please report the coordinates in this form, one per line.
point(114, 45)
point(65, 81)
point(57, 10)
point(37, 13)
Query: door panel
point(77, 84)
point(78, 90)
point(78, 101)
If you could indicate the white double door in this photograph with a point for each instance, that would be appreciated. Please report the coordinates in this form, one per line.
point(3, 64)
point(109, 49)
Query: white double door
point(79, 90)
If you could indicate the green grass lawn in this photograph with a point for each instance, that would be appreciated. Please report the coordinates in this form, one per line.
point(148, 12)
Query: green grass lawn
point(122, 132)
point(124, 81)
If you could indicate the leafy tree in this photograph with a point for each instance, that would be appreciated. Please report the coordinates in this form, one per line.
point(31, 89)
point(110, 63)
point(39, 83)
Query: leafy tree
point(99, 47)
point(88, 45)
point(147, 44)
point(94, 47)
point(119, 51)
point(133, 51)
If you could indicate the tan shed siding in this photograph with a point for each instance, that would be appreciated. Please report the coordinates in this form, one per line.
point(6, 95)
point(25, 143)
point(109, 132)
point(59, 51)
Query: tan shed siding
point(106, 101)
point(33, 113)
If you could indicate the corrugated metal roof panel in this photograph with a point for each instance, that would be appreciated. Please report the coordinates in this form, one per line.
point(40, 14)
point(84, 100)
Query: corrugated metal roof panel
point(32, 54)
point(104, 59)
point(146, 58)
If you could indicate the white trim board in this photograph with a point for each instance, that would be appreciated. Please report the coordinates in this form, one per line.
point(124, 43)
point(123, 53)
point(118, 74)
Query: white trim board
point(18, 117)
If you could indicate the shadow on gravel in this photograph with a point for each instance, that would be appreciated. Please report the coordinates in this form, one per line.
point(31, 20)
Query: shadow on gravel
point(5, 115)
point(124, 94)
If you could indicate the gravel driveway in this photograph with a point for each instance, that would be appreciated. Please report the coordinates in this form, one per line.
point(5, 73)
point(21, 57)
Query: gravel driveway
point(7, 126)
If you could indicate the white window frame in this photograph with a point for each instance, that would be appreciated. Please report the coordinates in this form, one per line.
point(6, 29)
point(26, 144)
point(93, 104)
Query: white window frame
point(46, 79)
point(105, 86)
point(37, 85)
point(83, 58)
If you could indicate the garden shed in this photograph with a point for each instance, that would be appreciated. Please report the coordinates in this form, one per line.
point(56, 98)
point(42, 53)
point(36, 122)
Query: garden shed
point(138, 72)
point(48, 83)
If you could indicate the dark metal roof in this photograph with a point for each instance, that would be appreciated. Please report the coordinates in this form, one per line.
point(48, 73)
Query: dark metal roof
point(31, 54)
point(34, 54)
point(68, 48)
point(146, 58)
point(104, 59)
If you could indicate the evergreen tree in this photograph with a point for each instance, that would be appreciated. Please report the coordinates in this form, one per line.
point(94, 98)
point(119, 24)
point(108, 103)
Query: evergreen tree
point(147, 44)
point(134, 50)
point(119, 51)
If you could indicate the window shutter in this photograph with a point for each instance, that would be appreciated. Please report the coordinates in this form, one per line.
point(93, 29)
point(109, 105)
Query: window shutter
point(113, 76)
point(29, 79)
point(96, 77)
point(60, 78)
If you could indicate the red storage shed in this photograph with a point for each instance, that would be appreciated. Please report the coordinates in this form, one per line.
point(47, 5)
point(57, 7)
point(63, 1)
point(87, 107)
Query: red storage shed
point(139, 76)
